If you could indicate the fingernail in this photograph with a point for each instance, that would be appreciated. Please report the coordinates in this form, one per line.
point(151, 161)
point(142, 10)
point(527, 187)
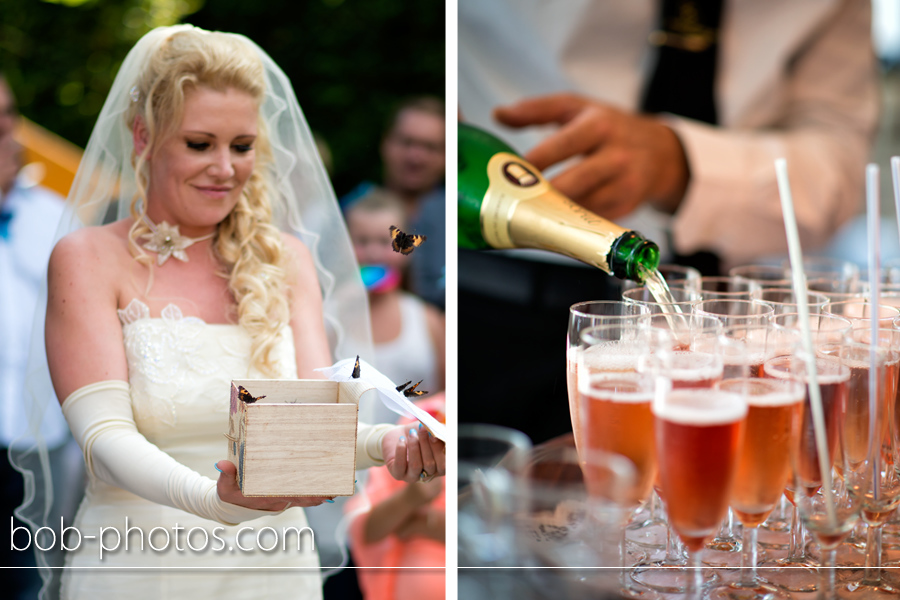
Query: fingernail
point(402, 438)
point(420, 425)
point(330, 501)
point(412, 433)
point(216, 465)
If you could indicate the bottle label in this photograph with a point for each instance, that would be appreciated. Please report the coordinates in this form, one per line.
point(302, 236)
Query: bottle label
point(522, 210)
point(512, 180)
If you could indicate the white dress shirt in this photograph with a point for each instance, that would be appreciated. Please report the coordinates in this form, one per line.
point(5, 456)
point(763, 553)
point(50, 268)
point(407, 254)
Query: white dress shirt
point(24, 254)
point(796, 79)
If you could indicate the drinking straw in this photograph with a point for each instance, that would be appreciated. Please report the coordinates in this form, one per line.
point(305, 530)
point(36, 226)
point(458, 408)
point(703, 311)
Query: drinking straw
point(895, 172)
point(873, 197)
point(799, 279)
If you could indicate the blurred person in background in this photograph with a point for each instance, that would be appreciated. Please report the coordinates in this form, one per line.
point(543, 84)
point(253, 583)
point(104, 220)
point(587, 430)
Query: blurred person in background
point(29, 215)
point(666, 117)
point(412, 151)
point(402, 533)
point(409, 336)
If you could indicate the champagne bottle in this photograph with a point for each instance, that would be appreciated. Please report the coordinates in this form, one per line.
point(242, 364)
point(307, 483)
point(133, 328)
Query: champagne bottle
point(504, 202)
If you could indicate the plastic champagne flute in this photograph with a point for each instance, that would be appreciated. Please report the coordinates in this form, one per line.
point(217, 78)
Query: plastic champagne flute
point(773, 416)
point(697, 426)
point(583, 316)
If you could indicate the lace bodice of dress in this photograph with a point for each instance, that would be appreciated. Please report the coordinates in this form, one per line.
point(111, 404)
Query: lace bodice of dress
point(180, 371)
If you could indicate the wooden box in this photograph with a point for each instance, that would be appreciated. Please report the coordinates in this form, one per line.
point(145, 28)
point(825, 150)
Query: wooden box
point(300, 440)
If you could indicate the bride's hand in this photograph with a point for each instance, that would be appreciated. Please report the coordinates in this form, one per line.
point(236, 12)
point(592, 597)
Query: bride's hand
point(411, 453)
point(230, 492)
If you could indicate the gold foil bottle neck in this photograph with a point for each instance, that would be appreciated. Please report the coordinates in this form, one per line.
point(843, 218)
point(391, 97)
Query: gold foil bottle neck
point(522, 210)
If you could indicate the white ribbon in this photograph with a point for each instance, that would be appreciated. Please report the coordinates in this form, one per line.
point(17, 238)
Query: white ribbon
point(342, 371)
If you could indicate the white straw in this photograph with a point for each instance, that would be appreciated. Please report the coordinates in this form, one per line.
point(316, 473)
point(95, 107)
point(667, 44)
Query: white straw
point(895, 176)
point(873, 210)
point(799, 280)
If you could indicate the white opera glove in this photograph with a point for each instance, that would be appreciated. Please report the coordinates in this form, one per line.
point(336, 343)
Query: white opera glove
point(368, 444)
point(102, 421)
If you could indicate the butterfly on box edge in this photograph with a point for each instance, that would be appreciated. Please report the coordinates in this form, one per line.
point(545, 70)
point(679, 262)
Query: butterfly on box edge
point(246, 396)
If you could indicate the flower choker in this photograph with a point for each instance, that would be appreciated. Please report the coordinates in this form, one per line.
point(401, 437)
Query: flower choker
point(166, 241)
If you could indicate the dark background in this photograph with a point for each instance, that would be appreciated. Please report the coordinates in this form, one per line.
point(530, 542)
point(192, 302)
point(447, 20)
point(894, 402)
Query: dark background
point(350, 61)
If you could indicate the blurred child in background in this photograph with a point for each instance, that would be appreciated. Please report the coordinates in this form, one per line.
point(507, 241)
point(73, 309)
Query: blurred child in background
point(408, 332)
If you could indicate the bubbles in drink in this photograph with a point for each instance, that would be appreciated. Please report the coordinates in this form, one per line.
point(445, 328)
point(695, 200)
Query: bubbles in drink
point(764, 392)
point(620, 355)
point(832, 376)
point(763, 462)
point(617, 418)
point(693, 369)
point(698, 434)
point(700, 407)
point(618, 387)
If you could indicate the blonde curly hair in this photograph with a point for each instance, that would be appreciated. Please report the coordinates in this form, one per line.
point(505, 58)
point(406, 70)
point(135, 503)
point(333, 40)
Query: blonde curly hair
point(247, 245)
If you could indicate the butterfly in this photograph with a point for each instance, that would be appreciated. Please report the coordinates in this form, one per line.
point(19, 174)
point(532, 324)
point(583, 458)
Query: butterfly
point(355, 373)
point(246, 396)
point(410, 392)
point(404, 243)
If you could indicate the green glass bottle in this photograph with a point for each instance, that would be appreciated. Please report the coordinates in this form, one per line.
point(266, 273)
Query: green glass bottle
point(504, 202)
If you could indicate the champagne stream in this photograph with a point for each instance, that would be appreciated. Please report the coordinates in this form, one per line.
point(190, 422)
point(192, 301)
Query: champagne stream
point(656, 283)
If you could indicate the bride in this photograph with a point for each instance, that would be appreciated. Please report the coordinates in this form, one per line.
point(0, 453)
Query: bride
point(229, 260)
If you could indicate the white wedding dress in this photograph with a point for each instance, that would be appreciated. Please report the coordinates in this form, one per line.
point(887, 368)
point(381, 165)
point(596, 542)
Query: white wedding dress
point(180, 371)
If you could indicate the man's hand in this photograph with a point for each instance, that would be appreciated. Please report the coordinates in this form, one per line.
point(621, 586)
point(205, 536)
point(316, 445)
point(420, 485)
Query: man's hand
point(626, 159)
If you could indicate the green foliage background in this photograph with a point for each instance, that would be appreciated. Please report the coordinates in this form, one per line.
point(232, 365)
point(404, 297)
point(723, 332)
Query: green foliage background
point(350, 61)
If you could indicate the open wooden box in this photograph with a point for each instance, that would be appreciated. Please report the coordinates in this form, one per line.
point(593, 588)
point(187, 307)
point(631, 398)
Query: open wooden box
point(300, 440)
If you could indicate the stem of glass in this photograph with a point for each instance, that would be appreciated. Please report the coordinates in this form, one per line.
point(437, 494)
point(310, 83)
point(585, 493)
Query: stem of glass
point(873, 555)
point(826, 588)
point(624, 580)
point(695, 587)
point(654, 508)
point(795, 551)
point(673, 550)
point(729, 524)
point(749, 557)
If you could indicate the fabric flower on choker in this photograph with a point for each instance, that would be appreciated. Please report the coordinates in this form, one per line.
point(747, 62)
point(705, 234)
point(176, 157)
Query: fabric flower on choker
point(166, 241)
